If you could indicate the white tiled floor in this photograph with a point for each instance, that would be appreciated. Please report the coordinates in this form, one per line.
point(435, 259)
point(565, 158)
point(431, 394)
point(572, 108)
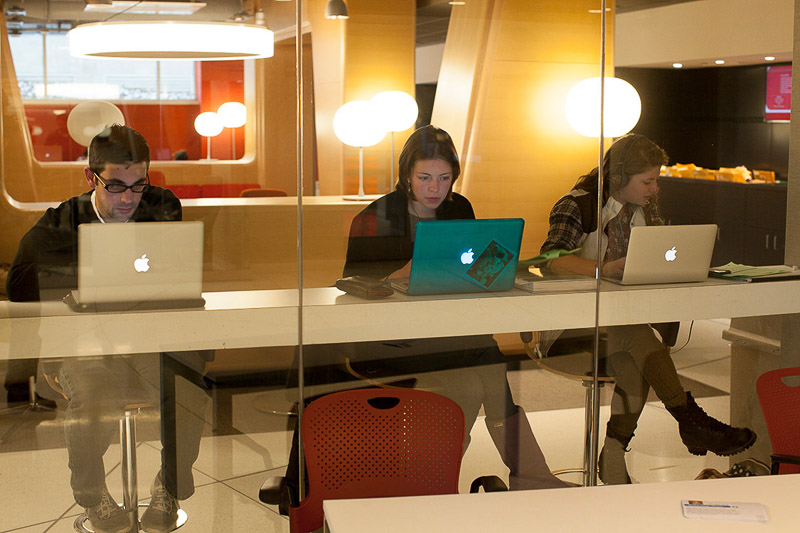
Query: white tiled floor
point(34, 485)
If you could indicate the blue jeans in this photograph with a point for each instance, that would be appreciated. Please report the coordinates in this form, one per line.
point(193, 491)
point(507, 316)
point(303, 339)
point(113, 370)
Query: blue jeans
point(98, 390)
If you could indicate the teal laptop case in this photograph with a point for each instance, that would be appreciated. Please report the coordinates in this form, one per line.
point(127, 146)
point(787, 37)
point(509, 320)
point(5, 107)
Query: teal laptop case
point(463, 256)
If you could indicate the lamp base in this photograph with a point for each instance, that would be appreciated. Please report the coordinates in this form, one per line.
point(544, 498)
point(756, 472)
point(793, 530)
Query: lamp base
point(364, 198)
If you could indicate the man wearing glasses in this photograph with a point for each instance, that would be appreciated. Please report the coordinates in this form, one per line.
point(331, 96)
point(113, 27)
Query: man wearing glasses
point(44, 268)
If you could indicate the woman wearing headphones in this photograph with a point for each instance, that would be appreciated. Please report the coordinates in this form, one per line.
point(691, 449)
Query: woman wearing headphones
point(636, 358)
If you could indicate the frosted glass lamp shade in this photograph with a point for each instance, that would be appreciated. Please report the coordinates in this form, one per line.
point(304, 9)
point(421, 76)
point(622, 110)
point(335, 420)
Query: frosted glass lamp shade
point(396, 110)
point(622, 107)
point(161, 40)
point(233, 114)
point(208, 124)
point(356, 124)
point(87, 119)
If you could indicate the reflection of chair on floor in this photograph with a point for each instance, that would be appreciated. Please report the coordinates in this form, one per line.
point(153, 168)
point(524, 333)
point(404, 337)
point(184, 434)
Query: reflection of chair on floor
point(127, 440)
point(33, 406)
point(780, 403)
point(576, 366)
point(369, 443)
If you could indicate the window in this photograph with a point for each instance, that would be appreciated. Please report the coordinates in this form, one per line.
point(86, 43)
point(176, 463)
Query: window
point(46, 71)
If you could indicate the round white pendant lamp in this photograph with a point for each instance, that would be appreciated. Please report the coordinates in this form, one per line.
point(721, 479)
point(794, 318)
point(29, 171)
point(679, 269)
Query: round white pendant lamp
point(207, 41)
point(621, 103)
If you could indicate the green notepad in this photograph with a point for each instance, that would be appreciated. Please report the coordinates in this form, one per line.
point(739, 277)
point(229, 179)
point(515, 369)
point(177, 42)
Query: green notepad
point(545, 257)
point(748, 271)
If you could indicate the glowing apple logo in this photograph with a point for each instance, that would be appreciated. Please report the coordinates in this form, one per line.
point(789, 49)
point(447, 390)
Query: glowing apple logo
point(671, 254)
point(141, 264)
point(466, 257)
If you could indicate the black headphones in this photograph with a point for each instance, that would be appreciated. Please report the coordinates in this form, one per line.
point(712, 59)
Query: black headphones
point(617, 173)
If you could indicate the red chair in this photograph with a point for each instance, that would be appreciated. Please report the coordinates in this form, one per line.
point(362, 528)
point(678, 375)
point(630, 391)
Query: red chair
point(186, 191)
point(225, 190)
point(255, 192)
point(781, 406)
point(373, 443)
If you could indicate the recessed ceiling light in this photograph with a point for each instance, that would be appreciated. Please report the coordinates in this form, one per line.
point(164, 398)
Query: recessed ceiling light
point(456, 3)
point(677, 65)
point(719, 62)
point(769, 58)
point(144, 8)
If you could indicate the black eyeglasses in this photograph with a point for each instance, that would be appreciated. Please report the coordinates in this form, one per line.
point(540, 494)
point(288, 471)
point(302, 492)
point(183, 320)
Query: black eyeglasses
point(119, 188)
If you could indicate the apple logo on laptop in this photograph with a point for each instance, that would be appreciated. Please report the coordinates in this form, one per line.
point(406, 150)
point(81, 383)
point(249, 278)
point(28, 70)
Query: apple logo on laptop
point(466, 257)
point(141, 264)
point(671, 254)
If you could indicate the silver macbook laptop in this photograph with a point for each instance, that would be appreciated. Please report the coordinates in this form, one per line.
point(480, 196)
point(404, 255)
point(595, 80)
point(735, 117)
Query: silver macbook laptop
point(142, 265)
point(669, 254)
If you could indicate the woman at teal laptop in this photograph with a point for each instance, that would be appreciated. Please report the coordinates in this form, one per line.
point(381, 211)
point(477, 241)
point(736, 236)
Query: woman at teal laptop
point(637, 358)
point(470, 370)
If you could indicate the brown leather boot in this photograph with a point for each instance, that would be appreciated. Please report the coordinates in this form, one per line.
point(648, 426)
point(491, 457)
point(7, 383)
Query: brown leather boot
point(514, 439)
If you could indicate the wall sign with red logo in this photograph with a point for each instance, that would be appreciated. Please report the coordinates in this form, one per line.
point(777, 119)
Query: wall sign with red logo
point(779, 93)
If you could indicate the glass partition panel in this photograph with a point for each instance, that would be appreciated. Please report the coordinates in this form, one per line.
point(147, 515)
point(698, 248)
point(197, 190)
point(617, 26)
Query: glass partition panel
point(209, 382)
point(426, 297)
point(706, 171)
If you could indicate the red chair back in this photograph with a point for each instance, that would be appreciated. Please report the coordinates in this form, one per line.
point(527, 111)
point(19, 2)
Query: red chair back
point(186, 191)
point(781, 406)
point(370, 443)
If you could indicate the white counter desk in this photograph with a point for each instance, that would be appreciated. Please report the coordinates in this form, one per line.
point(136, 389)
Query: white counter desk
point(270, 318)
point(651, 507)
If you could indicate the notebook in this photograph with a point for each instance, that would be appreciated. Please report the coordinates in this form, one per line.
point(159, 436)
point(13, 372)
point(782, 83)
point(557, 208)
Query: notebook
point(141, 265)
point(462, 256)
point(669, 254)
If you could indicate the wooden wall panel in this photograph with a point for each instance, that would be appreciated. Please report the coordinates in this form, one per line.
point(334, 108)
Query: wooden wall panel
point(519, 153)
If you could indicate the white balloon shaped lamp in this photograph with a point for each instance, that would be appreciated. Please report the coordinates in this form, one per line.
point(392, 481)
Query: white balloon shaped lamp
point(397, 111)
point(233, 115)
point(208, 124)
point(355, 125)
point(87, 119)
point(622, 107)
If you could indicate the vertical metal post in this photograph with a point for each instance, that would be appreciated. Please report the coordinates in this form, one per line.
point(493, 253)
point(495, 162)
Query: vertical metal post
point(300, 359)
point(595, 408)
point(130, 495)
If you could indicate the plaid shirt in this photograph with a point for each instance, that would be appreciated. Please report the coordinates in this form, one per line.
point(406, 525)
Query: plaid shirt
point(566, 223)
point(566, 227)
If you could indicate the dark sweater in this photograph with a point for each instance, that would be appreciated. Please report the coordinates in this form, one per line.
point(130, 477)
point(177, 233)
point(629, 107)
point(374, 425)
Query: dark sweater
point(45, 266)
point(380, 236)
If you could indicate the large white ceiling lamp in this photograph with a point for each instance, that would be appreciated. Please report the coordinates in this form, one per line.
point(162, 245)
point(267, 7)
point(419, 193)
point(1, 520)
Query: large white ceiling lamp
point(207, 41)
point(622, 107)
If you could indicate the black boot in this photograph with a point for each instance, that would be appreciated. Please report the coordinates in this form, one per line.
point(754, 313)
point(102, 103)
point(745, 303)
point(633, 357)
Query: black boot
point(514, 439)
point(612, 469)
point(701, 433)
